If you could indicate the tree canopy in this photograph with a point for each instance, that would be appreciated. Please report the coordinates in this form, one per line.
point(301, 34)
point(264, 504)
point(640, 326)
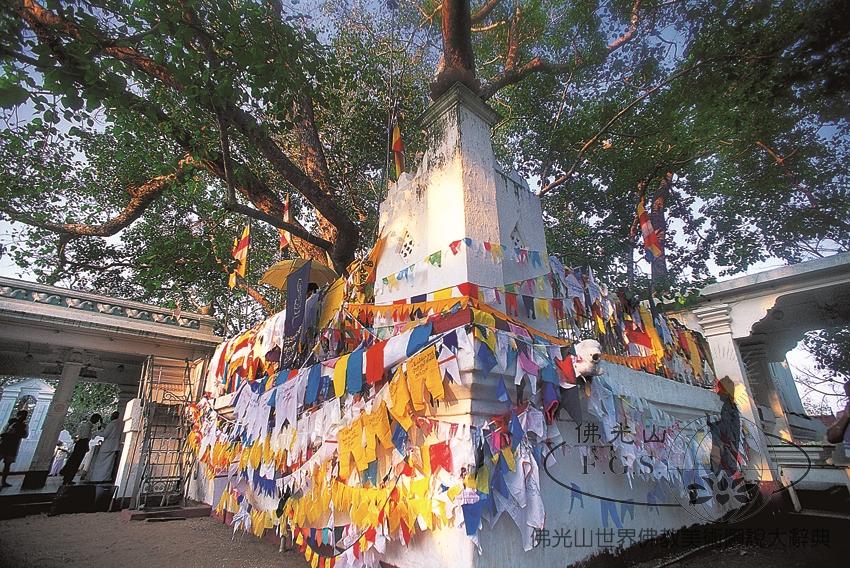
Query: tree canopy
point(139, 137)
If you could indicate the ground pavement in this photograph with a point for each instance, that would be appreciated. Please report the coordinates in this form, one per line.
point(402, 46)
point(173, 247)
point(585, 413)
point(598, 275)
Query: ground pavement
point(104, 540)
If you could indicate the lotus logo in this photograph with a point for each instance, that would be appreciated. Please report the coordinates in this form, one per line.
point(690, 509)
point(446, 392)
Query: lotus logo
point(722, 490)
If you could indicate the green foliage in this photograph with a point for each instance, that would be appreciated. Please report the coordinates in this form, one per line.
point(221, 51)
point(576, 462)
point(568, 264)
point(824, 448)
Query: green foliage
point(88, 399)
point(743, 102)
point(745, 90)
point(831, 350)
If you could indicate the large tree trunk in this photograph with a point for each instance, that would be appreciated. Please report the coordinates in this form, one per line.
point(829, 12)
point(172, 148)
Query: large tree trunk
point(314, 163)
point(458, 61)
point(658, 219)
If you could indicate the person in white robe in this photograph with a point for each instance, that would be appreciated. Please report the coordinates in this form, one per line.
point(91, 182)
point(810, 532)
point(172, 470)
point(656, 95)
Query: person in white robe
point(103, 463)
point(60, 455)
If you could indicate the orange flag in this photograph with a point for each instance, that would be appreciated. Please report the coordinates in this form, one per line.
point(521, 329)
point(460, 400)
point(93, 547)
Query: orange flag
point(240, 254)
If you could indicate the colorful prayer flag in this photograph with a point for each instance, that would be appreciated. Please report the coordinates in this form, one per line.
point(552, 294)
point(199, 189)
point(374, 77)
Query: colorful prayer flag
point(398, 151)
point(651, 243)
point(240, 254)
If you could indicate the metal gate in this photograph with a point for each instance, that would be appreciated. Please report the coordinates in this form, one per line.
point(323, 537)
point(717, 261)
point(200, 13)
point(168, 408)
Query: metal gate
point(165, 390)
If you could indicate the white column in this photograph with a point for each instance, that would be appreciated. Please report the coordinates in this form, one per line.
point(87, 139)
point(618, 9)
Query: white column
point(7, 403)
point(761, 381)
point(125, 395)
point(716, 322)
point(458, 191)
point(43, 457)
point(36, 423)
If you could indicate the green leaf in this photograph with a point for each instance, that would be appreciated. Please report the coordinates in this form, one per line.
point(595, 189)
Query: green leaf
point(12, 95)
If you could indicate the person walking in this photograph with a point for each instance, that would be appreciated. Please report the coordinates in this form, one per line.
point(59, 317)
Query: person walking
point(10, 441)
point(81, 448)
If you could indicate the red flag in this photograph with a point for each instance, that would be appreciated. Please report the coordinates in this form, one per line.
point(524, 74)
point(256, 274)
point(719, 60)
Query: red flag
point(375, 362)
point(440, 457)
point(568, 372)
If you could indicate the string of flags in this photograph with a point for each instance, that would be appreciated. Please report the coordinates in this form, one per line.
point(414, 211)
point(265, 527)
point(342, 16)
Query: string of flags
point(496, 252)
point(358, 431)
point(359, 435)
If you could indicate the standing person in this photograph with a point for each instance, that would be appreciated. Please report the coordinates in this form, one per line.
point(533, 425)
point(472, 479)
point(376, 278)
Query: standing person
point(839, 433)
point(81, 448)
point(726, 432)
point(60, 455)
point(10, 441)
point(104, 461)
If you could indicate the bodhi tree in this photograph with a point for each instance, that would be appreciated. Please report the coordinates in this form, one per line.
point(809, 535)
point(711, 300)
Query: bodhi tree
point(141, 136)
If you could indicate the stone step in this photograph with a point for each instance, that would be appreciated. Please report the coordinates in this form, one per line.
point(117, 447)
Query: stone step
point(823, 514)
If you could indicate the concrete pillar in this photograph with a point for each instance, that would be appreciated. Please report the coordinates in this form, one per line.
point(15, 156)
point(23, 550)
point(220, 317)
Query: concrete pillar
point(459, 192)
point(126, 393)
point(42, 459)
point(7, 403)
point(128, 464)
point(36, 424)
point(716, 323)
point(764, 390)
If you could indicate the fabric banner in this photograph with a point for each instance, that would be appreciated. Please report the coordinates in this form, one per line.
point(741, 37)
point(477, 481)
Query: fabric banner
point(296, 297)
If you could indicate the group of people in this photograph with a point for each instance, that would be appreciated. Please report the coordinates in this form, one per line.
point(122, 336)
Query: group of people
point(103, 462)
point(104, 456)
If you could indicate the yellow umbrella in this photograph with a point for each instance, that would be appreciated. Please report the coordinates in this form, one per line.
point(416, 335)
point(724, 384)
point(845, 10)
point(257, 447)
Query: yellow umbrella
point(276, 275)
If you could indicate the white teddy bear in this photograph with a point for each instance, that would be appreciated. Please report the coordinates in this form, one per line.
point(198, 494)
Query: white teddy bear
point(587, 358)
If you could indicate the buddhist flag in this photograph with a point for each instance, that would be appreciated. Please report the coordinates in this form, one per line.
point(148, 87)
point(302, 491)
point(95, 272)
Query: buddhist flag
point(284, 235)
point(398, 151)
point(651, 244)
point(240, 254)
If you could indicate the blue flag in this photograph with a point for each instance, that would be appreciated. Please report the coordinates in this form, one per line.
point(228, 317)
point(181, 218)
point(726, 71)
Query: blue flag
point(296, 297)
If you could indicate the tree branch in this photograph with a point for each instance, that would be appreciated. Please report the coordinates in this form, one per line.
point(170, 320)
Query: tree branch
point(269, 206)
point(47, 24)
point(255, 295)
point(476, 16)
point(39, 17)
point(512, 54)
point(512, 74)
point(516, 74)
point(488, 27)
point(485, 9)
point(141, 197)
point(634, 19)
point(560, 180)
